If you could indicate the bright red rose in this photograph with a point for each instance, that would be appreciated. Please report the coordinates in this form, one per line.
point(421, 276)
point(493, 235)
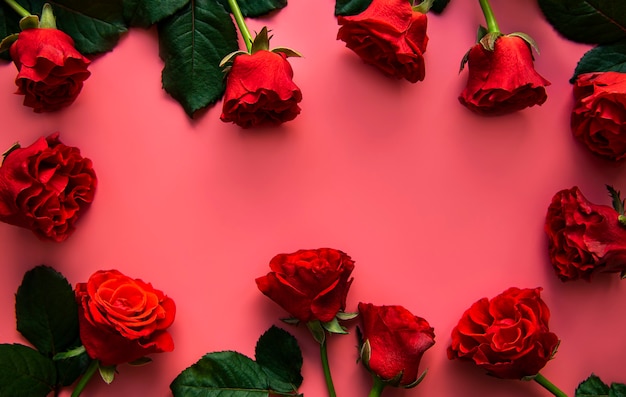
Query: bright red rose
point(50, 70)
point(508, 335)
point(599, 114)
point(503, 80)
point(397, 341)
point(390, 36)
point(260, 90)
point(123, 319)
point(309, 284)
point(583, 237)
point(45, 186)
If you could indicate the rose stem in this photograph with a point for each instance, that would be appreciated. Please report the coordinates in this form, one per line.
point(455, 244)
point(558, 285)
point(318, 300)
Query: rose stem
point(549, 386)
point(85, 378)
point(492, 25)
point(17, 8)
point(377, 387)
point(327, 376)
point(241, 24)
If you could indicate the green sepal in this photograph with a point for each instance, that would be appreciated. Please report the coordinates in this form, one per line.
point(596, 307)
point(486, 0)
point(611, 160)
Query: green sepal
point(527, 39)
point(107, 373)
point(417, 381)
point(481, 32)
point(287, 51)
point(8, 41)
point(290, 321)
point(140, 361)
point(464, 60)
point(488, 41)
point(317, 330)
point(365, 353)
point(424, 6)
point(334, 327)
point(230, 57)
point(346, 316)
point(13, 147)
point(29, 22)
point(622, 275)
point(25, 372)
point(617, 201)
point(48, 20)
point(261, 42)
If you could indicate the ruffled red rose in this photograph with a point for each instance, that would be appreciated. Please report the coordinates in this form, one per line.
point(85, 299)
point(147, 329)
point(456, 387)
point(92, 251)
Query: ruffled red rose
point(50, 70)
point(260, 90)
point(397, 341)
point(389, 35)
point(599, 115)
point(508, 335)
point(309, 284)
point(503, 80)
point(123, 319)
point(45, 187)
point(583, 238)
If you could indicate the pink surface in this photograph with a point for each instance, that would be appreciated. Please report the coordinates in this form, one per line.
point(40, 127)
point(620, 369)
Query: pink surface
point(437, 206)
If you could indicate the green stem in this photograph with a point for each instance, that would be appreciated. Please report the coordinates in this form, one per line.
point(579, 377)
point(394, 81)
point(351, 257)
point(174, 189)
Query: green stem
point(549, 386)
point(377, 387)
point(492, 25)
point(241, 23)
point(327, 376)
point(18, 8)
point(80, 386)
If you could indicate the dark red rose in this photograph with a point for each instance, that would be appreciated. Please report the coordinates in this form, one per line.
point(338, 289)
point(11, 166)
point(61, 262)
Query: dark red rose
point(599, 114)
point(397, 341)
point(390, 36)
point(583, 237)
point(503, 80)
point(50, 70)
point(508, 335)
point(260, 90)
point(45, 186)
point(123, 319)
point(309, 284)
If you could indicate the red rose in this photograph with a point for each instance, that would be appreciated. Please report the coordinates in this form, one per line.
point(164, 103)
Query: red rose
point(397, 341)
point(50, 70)
point(583, 237)
point(503, 80)
point(45, 186)
point(309, 284)
point(508, 336)
point(599, 114)
point(390, 36)
point(260, 90)
point(123, 319)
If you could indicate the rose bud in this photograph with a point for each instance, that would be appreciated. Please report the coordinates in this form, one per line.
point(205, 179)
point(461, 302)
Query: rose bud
point(599, 115)
point(123, 319)
point(389, 35)
point(503, 79)
point(394, 341)
point(310, 284)
point(508, 336)
point(45, 187)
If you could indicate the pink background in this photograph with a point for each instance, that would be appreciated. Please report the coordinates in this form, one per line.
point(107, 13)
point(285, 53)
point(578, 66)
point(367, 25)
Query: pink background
point(437, 206)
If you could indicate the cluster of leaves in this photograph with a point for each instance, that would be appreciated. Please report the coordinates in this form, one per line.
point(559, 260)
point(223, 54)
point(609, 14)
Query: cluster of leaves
point(601, 22)
point(47, 316)
point(353, 7)
point(276, 371)
point(594, 387)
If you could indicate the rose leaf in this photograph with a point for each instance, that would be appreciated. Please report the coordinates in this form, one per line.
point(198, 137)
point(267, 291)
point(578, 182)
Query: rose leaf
point(603, 58)
point(255, 8)
point(71, 367)
point(592, 387)
point(145, 13)
point(439, 6)
point(192, 42)
point(351, 7)
point(617, 390)
point(46, 311)
point(279, 355)
point(587, 21)
point(24, 372)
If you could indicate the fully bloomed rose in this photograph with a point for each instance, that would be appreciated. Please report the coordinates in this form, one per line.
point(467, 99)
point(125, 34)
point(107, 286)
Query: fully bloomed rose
point(503, 80)
point(45, 187)
point(389, 35)
point(508, 335)
point(599, 115)
point(310, 284)
point(397, 341)
point(260, 90)
point(123, 319)
point(583, 238)
point(50, 70)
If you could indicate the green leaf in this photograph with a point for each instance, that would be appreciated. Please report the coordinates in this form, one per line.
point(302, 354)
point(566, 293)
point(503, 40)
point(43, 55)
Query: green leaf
point(24, 372)
point(317, 330)
point(279, 355)
point(617, 390)
point(592, 387)
point(587, 21)
point(346, 316)
point(145, 13)
point(351, 7)
point(192, 43)
point(46, 311)
point(439, 6)
point(255, 8)
point(71, 367)
point(602, 58)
